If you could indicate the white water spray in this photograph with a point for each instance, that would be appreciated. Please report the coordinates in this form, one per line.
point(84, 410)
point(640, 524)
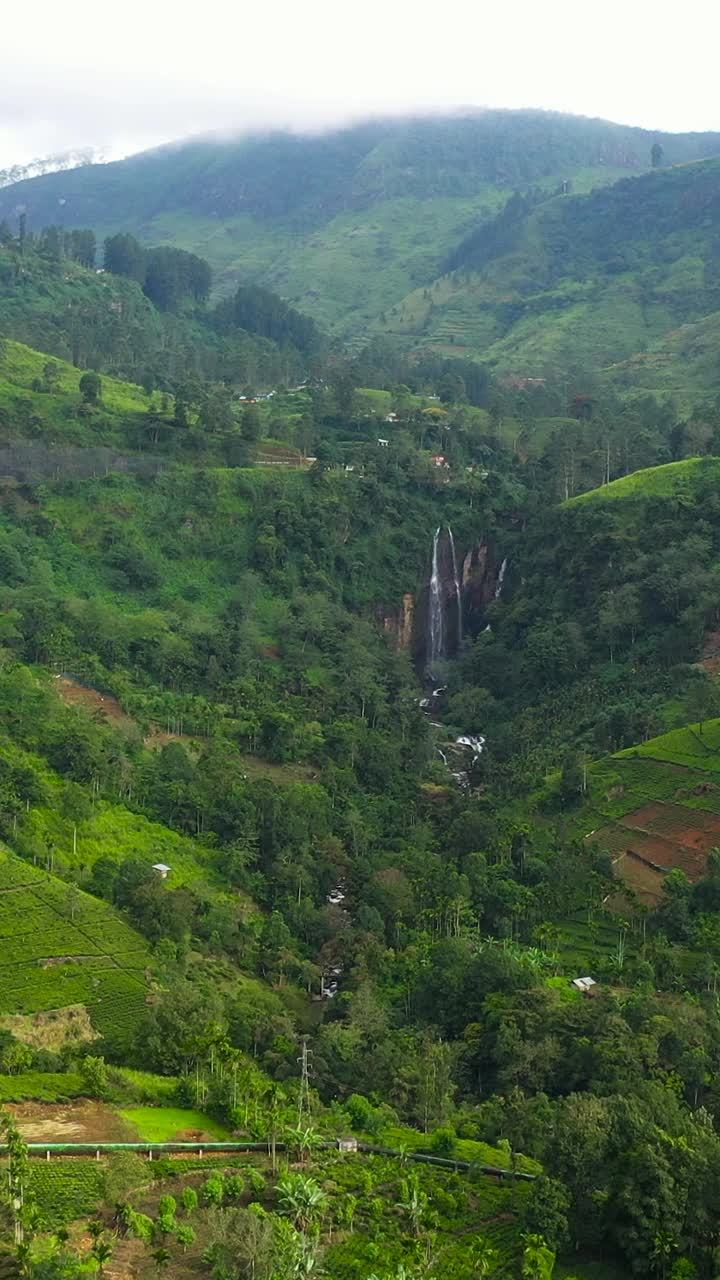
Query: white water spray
point(458, 597)
point(437, 640)
point(500, 579)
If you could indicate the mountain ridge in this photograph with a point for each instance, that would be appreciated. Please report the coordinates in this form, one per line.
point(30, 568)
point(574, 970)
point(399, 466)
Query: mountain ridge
point(343, 223)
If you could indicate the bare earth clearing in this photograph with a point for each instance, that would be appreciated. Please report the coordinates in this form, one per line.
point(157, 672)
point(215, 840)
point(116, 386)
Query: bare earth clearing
point(81, 1121)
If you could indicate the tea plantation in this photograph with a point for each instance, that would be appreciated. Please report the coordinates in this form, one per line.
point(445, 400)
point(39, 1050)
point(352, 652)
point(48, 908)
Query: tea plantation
point(60, 947)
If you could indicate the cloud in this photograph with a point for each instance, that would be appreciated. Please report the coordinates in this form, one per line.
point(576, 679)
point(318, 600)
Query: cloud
point(153, 70)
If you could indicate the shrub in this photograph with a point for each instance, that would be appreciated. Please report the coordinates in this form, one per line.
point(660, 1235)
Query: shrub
point(443, 1143)
point(185, 1236)
point(189, 1200)
point(140, 1226)
point(363, 1115)
point(213, 1190)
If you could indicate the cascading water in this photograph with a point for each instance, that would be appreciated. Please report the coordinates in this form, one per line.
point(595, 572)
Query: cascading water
point(474, 743)
point(444, 639)
point(458, 597)
point(437, 630)
point(445, 632)
point(500, 579)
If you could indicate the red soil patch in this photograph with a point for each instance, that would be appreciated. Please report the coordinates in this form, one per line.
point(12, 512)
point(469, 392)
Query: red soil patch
point(81, 695)
point(91, 700)
point(711, 653)
point(692, 828)
point(638, 876)
point(80, 1121)
point(654, 839)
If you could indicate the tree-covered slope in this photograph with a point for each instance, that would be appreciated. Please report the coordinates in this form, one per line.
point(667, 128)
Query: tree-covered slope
point(313, 177)
point(581, 282)
point(606, 612)
point(343, 223)
point(146, 317)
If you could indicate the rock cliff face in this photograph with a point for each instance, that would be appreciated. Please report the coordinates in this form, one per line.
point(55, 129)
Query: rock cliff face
point(479, 580)
point(399, 624)
point(409, 624)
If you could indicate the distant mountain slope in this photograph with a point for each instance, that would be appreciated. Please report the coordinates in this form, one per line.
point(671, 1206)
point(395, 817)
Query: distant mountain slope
point(50, 164)
point(584, 281)
point(311, 178)
point(344, 223)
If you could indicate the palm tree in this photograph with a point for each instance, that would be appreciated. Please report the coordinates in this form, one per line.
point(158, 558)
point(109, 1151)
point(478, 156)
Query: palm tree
point(484, 1259)
point(301, 1142)
point(24, 1257)
point(275, 1097)
point(102, 1253)
point(349, 1209)
point(413, 1203)
point(538, 1259)
point(302, 1199)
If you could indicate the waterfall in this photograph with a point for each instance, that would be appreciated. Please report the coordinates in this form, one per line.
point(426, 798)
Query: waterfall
point(437, 638)
point(458, 597)
point(475, 744)
point(500, 579)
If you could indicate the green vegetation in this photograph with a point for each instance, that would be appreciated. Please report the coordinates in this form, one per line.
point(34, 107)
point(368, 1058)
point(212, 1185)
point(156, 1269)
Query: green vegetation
point(161, 1124)
point(41, 1086)
point(289, 854)
point(61, 947)
point(346, 225)
point(65, 1190)
point(668, 481)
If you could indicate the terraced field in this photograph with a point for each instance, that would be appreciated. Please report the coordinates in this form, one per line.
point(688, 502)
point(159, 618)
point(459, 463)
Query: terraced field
point(656, 807)
point(60, 947)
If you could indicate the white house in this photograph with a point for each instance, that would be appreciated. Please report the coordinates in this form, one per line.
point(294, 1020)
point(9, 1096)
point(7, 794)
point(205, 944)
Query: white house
point(583, 984)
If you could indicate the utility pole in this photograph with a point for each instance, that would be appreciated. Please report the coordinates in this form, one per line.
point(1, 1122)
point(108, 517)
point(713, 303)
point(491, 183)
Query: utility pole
point(304, 1098)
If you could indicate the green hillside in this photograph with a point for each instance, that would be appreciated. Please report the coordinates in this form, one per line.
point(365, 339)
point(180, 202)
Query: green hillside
point(673, 479)
point(149, 322)
point(655, 808)
point(62, 948)
point(362, 164)
point(40, 399)
point(589, 282)
point(345, 224)
point(359, 708)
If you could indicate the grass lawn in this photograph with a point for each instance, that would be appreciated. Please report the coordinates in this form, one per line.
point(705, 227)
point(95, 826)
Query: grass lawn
point(162, 1124)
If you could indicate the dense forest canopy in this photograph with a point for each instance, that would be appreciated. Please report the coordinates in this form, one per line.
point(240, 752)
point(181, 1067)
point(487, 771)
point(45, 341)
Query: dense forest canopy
point(359, 720)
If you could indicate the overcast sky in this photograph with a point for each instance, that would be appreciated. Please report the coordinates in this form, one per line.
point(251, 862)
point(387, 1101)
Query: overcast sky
point(138, 72)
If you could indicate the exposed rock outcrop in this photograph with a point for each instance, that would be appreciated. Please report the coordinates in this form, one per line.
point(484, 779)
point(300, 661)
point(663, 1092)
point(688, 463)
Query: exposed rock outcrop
point(477, 577)
point(399, 623)
point(480, 572)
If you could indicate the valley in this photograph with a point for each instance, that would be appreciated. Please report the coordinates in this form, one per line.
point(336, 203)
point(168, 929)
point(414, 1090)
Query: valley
point(359, 715)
